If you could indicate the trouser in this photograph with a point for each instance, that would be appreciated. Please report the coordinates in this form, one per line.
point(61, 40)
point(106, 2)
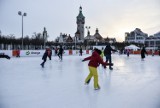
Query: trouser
point(49, 57)
point(93, 73)
point(108, 58)
point(43, 62)
point(60, 56)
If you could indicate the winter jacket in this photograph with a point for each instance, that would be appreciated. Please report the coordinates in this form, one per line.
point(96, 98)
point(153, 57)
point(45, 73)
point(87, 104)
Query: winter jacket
point(95, 60)
point(143, 52)
point(60, 50)
point(44, 57)
point(107, 50)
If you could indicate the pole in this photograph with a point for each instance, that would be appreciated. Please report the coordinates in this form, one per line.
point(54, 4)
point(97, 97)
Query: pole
point(22, 32)
point(75, 42)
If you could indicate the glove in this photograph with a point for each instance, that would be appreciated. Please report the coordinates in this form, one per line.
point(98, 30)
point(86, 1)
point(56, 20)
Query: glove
point(83, 60)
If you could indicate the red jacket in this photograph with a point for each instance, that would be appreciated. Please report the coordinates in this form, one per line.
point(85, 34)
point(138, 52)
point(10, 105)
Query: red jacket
point(95, 60)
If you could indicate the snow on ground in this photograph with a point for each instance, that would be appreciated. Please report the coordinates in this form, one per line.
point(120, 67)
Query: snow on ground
point(131, 84)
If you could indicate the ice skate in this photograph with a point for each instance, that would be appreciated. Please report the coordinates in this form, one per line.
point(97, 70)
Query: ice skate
point(97, 88)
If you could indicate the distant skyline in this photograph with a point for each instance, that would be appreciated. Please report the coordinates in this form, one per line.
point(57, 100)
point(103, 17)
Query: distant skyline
point(112, 17)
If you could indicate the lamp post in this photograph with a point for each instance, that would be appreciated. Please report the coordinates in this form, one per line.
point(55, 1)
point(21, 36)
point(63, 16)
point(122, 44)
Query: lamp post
point(22, 14)
point(88, 27)
point(75, 41)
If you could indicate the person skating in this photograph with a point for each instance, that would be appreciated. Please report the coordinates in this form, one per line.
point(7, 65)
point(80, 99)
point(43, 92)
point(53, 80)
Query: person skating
point(80, 51)
point(94, 62)
point(56, 51)
point(128, 52)
point(18, 52)
point(4, 56)
point(143, 52)
point(60, 53)
point(44, 58)
point(107, 53)
point(49, 53)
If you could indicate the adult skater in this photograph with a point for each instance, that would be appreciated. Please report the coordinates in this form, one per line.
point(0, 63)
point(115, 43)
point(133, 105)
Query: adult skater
point(94, 62)
point(107, 54)
point(18, 52)
point(80, 51)
point(60, 53)
point(128, 52)
point(4, 56)
point(56, 50)
point(44, 58)
point(143, 52)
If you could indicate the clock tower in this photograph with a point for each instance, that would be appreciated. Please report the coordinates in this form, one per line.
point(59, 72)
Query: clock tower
point(80, 25)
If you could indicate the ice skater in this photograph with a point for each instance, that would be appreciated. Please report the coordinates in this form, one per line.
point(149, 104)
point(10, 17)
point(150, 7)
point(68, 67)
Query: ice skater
point(44, 58)
point(4, 56)
point(94, 62)
point(56, 51)
point(102, 53)
point(49, 53)
point(60, 53)
point(128, 52)
point(80, 51)
point(107, 54)
point(143, 52)
point(18, 52)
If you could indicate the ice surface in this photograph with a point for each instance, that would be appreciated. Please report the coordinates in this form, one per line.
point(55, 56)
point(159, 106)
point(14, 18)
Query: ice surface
point(131, 84)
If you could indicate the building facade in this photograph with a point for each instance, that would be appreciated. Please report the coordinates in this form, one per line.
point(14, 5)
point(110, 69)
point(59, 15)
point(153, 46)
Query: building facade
point(136, 36)
point(153, 42)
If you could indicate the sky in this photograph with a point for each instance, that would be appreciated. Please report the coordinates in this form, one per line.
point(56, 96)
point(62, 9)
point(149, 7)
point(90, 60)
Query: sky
point(112, 17)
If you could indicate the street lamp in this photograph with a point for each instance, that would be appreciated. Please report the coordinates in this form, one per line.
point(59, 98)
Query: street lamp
point(88, 27)
point(22, 14)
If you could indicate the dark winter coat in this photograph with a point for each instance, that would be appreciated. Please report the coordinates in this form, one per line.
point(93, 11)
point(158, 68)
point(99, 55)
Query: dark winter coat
point(80, 51)
point(44, 57)
point(143, 52)
point(60, 50)
point(108, 50)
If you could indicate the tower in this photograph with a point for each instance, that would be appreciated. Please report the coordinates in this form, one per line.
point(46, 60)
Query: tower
point(80, 25)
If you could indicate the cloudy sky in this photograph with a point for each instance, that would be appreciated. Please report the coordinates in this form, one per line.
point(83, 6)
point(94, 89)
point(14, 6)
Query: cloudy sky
point(112, 17)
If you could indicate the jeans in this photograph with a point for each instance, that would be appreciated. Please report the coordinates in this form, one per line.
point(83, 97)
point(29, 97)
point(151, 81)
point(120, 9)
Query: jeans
point(109, 58)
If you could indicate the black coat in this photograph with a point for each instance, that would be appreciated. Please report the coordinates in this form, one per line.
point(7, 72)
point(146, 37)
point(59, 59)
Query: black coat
point(107, 50)
point(60, 50)
point(44, 57)
point(143, 52)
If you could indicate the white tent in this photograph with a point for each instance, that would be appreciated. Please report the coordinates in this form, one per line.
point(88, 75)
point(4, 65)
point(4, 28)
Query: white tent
point(132, 47)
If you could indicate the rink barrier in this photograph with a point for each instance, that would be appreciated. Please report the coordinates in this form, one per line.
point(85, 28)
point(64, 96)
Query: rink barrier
point(149, 52)
point(29, 53)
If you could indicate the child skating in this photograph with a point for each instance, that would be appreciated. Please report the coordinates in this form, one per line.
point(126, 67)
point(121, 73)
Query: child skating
point(94, 62)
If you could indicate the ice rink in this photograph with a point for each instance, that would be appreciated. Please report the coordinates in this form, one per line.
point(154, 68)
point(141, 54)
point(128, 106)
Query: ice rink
point(60, 84)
